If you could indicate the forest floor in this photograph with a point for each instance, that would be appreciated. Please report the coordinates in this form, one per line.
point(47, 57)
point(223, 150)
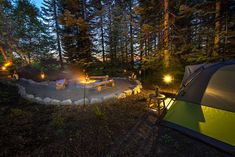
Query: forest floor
point(118, 128)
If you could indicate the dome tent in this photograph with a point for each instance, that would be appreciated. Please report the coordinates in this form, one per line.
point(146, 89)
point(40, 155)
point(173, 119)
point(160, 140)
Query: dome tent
point(205, 105)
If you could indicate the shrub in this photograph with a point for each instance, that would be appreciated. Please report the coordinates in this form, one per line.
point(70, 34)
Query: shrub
point(15, 112)
point(166, 139)
point(99, 113)
point(58, 121)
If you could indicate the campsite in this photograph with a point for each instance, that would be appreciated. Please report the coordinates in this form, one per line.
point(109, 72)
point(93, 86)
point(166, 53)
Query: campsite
point(117, 78)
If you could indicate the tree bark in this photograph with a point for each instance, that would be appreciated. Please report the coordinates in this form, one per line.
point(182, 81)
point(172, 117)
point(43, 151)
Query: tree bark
point(102, 37)
point(57, 34)
point(131, 34)
point(166, 33)
point(216, 48)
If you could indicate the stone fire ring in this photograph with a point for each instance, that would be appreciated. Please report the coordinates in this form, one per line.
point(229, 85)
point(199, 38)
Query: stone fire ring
point(45, 92)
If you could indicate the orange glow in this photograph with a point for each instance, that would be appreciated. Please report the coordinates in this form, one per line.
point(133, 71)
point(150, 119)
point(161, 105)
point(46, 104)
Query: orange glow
point(7, 64)
point(87, 81)
point(42, 75)
point(4, 68)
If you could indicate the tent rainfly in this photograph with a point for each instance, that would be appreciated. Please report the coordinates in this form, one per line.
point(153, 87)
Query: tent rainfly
point(205, 105)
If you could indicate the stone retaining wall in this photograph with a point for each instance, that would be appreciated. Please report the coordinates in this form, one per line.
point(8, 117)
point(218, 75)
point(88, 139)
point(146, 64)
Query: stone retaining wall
point(51, 101)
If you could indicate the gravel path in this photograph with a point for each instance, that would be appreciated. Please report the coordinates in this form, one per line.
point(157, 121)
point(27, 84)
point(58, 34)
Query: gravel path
point(74, 91)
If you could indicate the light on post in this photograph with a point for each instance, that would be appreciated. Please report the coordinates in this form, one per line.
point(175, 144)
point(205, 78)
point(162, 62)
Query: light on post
point(167, 78)
point(42, 75)
point(4, 68)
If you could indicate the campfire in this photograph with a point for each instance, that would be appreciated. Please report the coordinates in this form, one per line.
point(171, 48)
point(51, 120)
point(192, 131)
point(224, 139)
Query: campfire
point(86, 80)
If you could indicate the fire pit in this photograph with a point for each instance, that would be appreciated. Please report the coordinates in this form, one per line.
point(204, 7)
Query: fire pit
point(83, 90)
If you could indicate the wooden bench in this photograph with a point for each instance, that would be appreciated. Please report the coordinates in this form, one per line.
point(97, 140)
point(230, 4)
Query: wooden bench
point(104, 78)
point(104, 84)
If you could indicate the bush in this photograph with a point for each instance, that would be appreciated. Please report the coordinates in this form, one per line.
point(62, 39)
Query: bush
point(15, 113)
point(99, 113)
point(58, 122)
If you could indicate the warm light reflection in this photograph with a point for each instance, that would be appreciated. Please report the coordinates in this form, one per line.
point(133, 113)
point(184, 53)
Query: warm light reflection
point(167, 78)
point(8, 63)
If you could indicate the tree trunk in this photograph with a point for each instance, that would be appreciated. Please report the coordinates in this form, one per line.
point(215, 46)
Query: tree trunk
point(102, 37)
point(166, 33)
point(110, 34)
point(141, 46)
point(131, 34)
point(149, 43)
point(217, 29)
point(3, 53)
point(126, 49)
point(57, 34)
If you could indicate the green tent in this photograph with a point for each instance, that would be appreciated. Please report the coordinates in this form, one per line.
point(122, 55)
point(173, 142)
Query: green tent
point(205, 105)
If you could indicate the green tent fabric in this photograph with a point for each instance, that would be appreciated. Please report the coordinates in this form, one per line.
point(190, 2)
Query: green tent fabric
point(205, 105)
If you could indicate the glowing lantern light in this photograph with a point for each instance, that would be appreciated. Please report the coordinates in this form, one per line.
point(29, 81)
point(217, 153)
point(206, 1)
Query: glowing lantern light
point(167, 79)
point(3, 68)
point(42, 75)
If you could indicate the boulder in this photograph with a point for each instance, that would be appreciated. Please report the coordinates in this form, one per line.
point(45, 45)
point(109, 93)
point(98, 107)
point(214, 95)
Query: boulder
point(138, 82)
point(96, 100)
point(55, 102)
point(21, 90)
point(47, 100)
point(38, 99)
point(121, 96)
point(110, 96)
point(30, 96)
point(67, 102)
point(31, 82)
point(136, 90)
point(128, 92)
point(81, 102)
point(140, 86)
point(23, 79)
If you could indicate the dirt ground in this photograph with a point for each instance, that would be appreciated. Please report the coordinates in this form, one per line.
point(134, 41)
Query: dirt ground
point(117, 128)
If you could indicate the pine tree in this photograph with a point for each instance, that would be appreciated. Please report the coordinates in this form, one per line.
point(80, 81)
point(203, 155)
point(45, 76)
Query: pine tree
point(50, 19)
point(75, 33)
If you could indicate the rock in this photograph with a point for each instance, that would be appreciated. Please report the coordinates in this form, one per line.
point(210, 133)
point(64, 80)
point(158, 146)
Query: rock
point(21, 90)
point(30, 96)
point(136, 90)
point(44, 83)
point(128, 92)
point(38, 99)
point(110, 96)
point(81, 101)
point(121, 96)
point(31, 82)
point(55, 102)
point(47, 100)
point(23, 79)
point(96, 100)
point(67, 102)
point(138, 82)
